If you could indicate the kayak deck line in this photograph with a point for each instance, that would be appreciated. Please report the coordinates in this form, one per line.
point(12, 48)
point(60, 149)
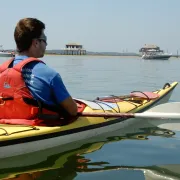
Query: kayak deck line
point(24, 129)
point(111, 102)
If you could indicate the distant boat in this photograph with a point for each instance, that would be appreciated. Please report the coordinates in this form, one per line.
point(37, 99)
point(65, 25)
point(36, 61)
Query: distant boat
point(154, 52)
point(4, 53)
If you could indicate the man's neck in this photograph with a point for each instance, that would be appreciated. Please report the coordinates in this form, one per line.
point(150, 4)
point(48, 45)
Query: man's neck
point(25, 53)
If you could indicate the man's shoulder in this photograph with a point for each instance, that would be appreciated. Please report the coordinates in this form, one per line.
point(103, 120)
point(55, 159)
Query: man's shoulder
point(40, 69)
point(43, 66)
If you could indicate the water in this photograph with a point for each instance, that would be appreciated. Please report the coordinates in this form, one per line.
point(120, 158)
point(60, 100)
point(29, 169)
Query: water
point(138, 152)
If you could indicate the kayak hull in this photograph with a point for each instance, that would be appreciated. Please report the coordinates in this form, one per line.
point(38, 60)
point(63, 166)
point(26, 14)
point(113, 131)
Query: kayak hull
point(31, 139)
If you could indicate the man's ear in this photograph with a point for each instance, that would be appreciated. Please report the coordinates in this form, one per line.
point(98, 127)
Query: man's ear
point(34, 42)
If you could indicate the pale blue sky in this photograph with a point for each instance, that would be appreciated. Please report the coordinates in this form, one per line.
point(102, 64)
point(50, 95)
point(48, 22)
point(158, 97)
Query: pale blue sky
point(100, 25)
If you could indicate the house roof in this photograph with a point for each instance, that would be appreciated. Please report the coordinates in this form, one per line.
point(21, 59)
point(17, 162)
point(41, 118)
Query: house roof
point(74, 44)
point(150, 46)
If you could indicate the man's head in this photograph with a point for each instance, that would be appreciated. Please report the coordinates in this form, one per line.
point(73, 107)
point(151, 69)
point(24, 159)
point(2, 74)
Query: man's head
point(30, 38)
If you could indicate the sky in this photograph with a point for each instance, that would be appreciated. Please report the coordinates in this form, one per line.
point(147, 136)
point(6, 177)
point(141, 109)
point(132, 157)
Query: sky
point(99, 25)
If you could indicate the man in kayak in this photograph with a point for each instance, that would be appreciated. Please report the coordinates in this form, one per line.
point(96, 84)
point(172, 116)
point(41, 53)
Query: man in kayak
point(44, 84)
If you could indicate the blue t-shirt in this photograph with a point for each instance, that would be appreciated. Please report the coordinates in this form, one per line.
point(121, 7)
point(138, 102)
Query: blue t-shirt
point(44, 83)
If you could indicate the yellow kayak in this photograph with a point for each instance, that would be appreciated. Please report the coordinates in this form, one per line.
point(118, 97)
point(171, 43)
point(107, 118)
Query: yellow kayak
point(22, 139)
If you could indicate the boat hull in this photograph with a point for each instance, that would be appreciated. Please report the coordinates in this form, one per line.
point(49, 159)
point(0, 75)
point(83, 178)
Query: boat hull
point(162, 57)
point(6, 54)
point(84, 128)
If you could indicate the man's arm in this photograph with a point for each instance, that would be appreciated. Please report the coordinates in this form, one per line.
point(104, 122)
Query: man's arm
point(62, 96)
point(70, 106)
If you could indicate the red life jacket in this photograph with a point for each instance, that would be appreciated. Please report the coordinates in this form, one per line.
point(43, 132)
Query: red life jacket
point(14, 98)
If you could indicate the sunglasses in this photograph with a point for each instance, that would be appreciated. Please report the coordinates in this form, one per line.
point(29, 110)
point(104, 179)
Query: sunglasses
point(44, 40)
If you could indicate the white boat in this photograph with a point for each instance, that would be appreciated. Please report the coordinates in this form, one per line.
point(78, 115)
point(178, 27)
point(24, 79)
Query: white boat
point(4, 53)
point(153, 54)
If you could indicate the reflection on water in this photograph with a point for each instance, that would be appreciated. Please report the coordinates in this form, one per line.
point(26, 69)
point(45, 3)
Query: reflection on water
point(71, 161)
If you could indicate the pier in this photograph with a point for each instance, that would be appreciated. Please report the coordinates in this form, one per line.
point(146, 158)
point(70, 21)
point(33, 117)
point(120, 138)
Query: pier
point(74, 49)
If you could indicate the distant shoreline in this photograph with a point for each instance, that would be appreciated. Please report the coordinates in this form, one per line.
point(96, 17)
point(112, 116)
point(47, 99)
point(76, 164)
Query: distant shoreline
point(50, 54)
point(101, 55)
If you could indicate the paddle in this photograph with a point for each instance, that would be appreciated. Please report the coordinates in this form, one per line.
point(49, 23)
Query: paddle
point(162, 111)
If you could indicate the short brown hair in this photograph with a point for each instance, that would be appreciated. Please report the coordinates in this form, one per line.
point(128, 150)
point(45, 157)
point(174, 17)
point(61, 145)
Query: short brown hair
point(26, 30)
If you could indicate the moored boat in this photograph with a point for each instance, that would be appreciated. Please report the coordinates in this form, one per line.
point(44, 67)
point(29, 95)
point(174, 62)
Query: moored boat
point(154, 52)
point(22, 139)
point(6, 54)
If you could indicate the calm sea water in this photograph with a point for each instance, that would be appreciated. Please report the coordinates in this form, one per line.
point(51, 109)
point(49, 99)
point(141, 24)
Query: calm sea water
point(138, 152)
